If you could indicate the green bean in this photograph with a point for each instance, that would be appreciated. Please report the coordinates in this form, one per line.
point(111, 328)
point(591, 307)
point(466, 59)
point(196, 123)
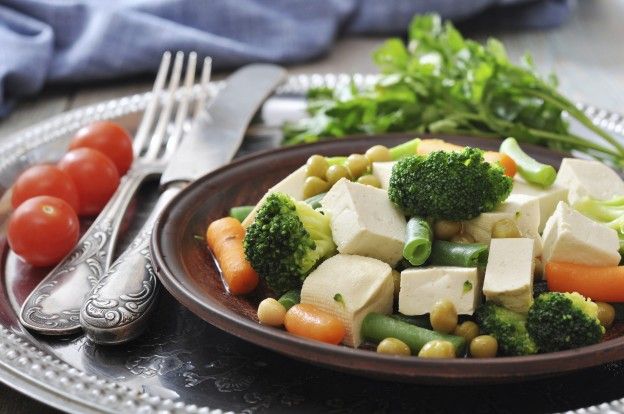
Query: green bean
point(315, 201)
point(529, 168)
point(421, 321)
point(405, 149)
point(290, 298)
point(444, 253)
point(240, 212)
point(418, 240)
point(377, 327)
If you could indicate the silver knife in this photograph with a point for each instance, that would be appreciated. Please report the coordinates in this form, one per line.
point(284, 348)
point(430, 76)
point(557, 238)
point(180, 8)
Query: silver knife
point(117, 308)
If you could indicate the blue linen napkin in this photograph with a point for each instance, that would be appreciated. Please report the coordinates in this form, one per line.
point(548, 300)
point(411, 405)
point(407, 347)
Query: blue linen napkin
point(81, 40)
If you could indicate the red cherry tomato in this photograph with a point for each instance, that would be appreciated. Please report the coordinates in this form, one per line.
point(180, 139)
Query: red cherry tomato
point(44, 180)
point(109, 138)
point(42, 230)
point(94, 175)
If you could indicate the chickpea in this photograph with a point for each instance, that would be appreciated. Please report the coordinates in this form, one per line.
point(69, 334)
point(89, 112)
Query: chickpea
point(468, 330)
point(393, 346)
point(484, 346)
point(445, 229)
point(443, 316)
point(271, 312)
point(313, 186)
point(378, 153)
point(396, 279)
point(357, 164)
point(505, 229)
point(437, 349)
point(316, 166)
point(606, 314)
point(335, 173)
point(462, 238)
point(369, 179)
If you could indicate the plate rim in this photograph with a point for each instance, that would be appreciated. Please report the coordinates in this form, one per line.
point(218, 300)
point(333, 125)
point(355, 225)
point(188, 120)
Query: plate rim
point(264, 336)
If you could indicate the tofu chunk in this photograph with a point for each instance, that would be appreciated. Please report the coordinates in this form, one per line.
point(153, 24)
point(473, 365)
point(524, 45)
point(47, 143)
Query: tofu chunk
point(291, 185)
point(524, 210)
point(422, 287)
point(382, 171)
point(364, 221)
point(509, 274)
point(350, 287)
point(548, 198)
point(588, 178)
point(571, 237)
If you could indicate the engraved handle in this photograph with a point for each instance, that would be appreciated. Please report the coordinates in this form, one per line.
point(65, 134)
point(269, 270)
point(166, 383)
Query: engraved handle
point(117, 308)
point(53, 307)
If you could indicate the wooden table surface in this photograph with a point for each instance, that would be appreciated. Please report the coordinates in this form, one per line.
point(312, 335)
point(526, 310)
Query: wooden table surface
point(587, 55)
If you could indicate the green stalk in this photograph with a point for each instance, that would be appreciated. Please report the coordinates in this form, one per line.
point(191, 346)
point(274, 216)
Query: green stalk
point(405, 149)
point(529, 168)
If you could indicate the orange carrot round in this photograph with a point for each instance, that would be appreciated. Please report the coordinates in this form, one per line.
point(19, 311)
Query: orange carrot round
point(225, 240)
point(504, 160)
point(598, 283)
point(310, 322)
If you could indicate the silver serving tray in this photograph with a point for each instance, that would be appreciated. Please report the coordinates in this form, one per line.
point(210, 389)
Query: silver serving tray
point(184, 365)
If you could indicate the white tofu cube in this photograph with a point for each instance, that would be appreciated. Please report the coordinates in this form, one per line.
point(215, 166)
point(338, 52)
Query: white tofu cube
point(350, 287)
point(383, 171)
point(548, 198)
point(571, 237)
point(291, 185)
point(585, 178)
point(422, 287)
point(509, 274)
point(522, 209)
point(364, 221)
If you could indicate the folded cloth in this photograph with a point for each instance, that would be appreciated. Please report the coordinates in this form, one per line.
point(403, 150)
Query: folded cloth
point(81, 40)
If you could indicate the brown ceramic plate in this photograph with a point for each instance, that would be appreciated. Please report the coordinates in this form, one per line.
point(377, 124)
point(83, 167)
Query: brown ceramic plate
point(187, 270)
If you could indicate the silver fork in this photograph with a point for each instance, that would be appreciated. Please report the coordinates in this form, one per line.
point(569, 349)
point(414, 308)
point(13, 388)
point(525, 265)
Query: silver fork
point(53, 307)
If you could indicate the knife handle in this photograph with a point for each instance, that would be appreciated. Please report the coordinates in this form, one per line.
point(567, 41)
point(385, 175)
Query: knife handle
point(118, 306)
point(53, 307)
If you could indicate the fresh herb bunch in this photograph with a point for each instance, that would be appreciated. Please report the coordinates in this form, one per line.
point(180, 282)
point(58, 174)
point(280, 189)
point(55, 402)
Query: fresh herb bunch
point(442, 83)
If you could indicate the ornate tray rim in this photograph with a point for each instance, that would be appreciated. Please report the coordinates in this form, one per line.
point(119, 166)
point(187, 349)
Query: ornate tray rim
point(47, 378)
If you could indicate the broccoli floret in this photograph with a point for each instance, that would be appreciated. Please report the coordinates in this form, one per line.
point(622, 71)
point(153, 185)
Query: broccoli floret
point(448, 185)
point(286, 241)
point(559, 321)
point(508, 327)
point(608, 212)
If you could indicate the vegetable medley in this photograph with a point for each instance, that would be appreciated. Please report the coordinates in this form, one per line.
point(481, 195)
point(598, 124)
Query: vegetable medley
point(434, 250)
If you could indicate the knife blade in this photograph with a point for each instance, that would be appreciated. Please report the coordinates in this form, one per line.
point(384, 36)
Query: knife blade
point(118, 307)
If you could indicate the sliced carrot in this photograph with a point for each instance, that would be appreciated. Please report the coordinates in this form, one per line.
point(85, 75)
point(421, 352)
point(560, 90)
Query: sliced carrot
point(310, 322)
point(504, 160)
point(598, 283)
point(225, 240)
point(427, 146)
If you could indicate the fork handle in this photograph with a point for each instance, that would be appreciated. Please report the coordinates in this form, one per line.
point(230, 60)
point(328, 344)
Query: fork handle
point(53, 307)
point(118, 307)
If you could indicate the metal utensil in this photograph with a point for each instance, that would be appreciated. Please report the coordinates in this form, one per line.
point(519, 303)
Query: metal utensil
point(53, 307)
point(118, 307)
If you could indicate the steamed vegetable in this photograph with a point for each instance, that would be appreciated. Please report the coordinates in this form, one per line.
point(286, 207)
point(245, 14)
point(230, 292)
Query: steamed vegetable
point(597, 282)
point(445, 253)
point(225, 240)
point(508, 327)
point(377, 327)
point(529, 168)
point(310, 322)
point(448, 185)
point(290, 298)
point(241, 212)
point(559, 321)
point(286, 241)
point(418, 238)
point(440, 82)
